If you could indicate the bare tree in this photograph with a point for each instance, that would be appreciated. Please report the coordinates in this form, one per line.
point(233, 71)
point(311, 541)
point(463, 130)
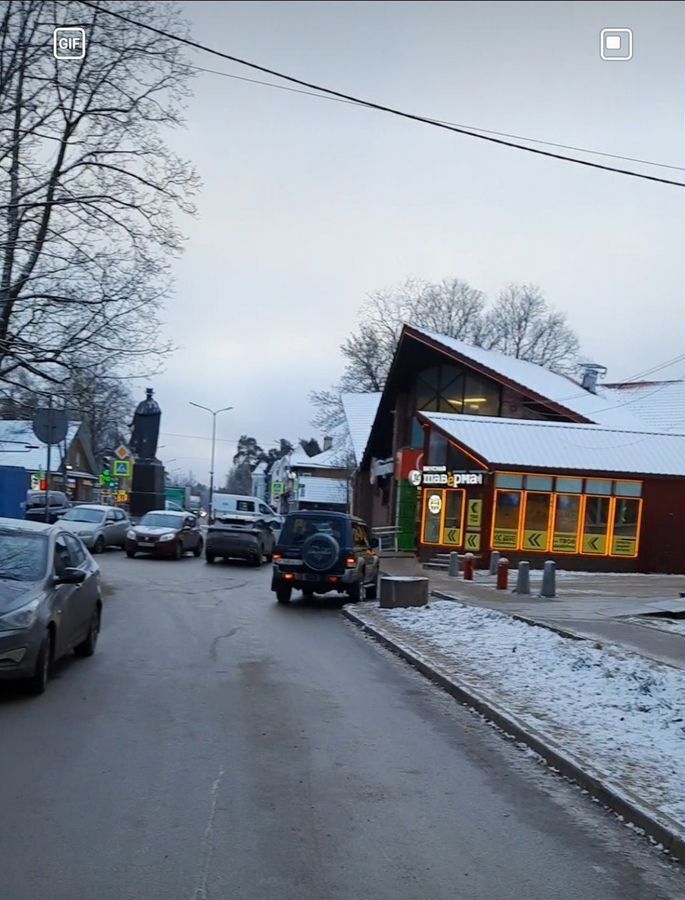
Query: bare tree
point(521, 324)
point(88, 188)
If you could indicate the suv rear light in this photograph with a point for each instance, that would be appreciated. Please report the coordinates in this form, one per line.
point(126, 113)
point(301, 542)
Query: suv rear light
point(288, 576)
point(350, 562)
point(277, 556)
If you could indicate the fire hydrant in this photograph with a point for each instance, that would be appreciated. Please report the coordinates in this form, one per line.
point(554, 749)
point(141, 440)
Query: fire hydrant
point(503, 574)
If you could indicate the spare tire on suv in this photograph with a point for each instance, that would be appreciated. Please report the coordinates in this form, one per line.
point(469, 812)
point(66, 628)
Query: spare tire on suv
point(322, 550)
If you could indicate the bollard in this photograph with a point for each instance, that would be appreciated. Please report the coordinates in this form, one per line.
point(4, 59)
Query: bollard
point(454, 564)
point(468, 567)
point(523, 578)
point(549, 579)
point(502, 574)
point(494, 559)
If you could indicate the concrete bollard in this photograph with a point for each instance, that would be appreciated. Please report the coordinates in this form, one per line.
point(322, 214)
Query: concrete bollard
point(494, 559)
point(402, 591)
point(454, 564)
point(549, 579)
point(523, 578)
point(468, 567)
point(503, 574)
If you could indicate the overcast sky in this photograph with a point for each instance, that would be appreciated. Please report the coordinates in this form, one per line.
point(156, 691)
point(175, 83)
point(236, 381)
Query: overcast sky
point(307, 205)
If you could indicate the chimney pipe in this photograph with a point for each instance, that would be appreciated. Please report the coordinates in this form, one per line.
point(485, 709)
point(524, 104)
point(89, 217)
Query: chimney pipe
point(591, 372)
point(327, 443)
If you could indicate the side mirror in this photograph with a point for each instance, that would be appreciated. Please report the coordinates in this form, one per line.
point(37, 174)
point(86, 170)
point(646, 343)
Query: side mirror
point(71, 576)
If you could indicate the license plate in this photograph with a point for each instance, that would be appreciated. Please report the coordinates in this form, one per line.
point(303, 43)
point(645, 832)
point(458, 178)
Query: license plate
point(290, 562)
point(145, 544)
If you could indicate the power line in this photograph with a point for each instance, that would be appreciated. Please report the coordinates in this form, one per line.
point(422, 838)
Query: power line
point(519, 137)
point(379, 106)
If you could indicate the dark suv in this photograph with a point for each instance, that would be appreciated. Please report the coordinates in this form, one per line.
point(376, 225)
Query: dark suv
point(320, 551)
point(58, 504)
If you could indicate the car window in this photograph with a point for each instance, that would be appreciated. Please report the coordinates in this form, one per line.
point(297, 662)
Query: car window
point(264, 509)
point(23, 555)
point(76, 554)
point(245, 505)
point(297, 529)
point(119, 515)
point(83, 514)
point(111, 516)
point(62, 559)
point(359, 537)
point(161, 520)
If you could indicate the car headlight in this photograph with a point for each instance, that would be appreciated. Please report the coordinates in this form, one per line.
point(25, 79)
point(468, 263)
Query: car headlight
point(131, 535)
point(167, 537)
point(21, 618)
point(84, 534)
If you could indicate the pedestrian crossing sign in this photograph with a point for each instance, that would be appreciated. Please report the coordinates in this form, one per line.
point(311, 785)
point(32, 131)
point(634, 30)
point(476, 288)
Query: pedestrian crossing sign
point(121, 468)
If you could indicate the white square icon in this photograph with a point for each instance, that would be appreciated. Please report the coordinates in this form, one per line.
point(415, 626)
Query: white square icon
point(616, 44)
point(69, 43)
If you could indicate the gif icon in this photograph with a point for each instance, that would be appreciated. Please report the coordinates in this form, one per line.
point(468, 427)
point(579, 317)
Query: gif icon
point(616, 44)
point(69, 43)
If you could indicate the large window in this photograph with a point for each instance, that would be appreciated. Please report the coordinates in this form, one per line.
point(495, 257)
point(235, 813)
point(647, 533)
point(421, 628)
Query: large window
point(433, 511)
point(596, 525)
point(566, 520)
point(536, 521)
point(505, 529)
point(443, 517)
point(626, 526)
point(454, 516)
point(448, 389)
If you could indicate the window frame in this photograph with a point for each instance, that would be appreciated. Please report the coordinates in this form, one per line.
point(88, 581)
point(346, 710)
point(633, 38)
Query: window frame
point(493, 526)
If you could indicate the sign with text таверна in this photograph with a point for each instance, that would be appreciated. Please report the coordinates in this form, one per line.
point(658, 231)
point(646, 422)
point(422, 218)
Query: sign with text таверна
point(438, 476)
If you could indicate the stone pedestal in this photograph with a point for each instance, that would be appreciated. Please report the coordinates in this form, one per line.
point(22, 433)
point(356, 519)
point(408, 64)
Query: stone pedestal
point(147, 487)
point(399, 592)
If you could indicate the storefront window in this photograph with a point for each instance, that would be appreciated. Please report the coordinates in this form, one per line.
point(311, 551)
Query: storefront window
point(596, 525)
point(569, 485)
point(566, 515)
point(626, 525)
point(432, 516)
point(628, 488)
point(506, 520)
point(536, 522)
point(454, 511)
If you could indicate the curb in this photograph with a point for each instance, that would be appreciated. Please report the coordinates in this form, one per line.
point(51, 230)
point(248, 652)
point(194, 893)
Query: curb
point(665, 832)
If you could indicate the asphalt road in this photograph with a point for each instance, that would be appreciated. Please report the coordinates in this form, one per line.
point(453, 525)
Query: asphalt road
point(219, 746)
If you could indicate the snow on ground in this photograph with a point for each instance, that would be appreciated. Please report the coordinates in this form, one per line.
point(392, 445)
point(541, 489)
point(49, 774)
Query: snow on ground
point(622, 713)
point(674, 626)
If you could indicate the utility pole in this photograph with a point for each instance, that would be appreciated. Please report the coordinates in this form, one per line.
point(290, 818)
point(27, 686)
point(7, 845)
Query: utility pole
point(214, 414)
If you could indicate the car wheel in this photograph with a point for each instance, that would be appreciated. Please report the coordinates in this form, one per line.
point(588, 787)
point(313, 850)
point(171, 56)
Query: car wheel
point(41, 674)
point(87, 647)
point(99, 545)
point(270, 556)
point(198, 550)
point(209, 556)
point(130, 553)
point(283, 594)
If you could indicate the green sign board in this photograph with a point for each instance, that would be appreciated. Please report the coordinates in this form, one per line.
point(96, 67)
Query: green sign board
point(121, 468)
point(278, 487)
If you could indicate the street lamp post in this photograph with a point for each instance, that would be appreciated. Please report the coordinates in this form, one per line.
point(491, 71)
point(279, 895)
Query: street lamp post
point(214, 413)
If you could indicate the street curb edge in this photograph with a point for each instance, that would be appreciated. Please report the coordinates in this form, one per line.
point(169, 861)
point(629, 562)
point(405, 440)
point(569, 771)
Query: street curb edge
point(671, 839)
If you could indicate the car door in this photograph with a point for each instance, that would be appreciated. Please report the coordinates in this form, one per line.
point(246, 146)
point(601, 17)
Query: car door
point(189, 533)
point(110, 528)
point(84, 596)
point(121, 526)
point(65, 604)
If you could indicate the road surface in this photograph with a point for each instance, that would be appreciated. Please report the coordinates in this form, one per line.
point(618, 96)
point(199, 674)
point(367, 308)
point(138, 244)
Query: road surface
point(221, 746)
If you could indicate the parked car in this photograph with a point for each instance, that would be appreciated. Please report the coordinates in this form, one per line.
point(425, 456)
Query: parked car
point(50, 600)
point(97, 526)
point(58, 504)
point(240, 538)
point(172, 506)
point(165, 533)
point(228, 506)
point(319, 551)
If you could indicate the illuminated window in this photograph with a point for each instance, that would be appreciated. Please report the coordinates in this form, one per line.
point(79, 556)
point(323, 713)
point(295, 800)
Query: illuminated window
point(596, 525)
point(628, 488)
point(432, 516)
point(481, 396)
point(565, 531)
point(626, 527)
point(506, 520)
point(536, 521)
point(452, 527)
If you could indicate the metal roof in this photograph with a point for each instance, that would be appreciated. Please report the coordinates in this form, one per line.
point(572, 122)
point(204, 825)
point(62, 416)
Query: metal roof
point(19, 431)
point(360, 412)
point(562, 445)
point(659, 405)
point(606, 410)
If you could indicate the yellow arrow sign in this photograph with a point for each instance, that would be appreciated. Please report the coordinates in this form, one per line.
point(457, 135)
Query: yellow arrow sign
point(472, 541)
point(452, 536)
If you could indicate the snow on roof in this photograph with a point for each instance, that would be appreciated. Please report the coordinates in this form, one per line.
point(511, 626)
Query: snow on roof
point(335, 458)
point(360, 412)
point(563, 445)
point(560, 389)
point(660, 405)
point(14, 433)
point(322, 490)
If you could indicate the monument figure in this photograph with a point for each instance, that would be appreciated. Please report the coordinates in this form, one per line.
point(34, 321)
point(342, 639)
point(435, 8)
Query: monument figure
point(147, 482)
point(145, 427)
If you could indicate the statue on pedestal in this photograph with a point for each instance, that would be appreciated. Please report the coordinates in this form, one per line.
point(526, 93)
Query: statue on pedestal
point(145, 427)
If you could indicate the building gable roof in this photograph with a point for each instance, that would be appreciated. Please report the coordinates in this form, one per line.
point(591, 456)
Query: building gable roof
point(360, 412)
point(530, 443)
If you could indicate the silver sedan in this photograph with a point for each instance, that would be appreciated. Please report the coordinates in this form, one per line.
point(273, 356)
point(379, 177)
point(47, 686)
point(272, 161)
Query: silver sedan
point(97, 526)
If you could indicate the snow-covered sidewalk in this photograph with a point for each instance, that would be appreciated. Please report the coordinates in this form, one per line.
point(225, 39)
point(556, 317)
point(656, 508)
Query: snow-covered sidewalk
point(619, 712)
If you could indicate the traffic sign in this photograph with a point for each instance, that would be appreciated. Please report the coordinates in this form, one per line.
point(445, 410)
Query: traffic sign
point(277, 487)
point(50, 425)
point(122, 452)
point(472, 540)
point(121, 468)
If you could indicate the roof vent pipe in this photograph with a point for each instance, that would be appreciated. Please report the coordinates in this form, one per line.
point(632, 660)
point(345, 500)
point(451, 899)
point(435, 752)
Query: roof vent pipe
point(591, 372)
point(327, 443)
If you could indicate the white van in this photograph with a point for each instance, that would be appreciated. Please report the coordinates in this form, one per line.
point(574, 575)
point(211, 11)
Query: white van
point(226, 506)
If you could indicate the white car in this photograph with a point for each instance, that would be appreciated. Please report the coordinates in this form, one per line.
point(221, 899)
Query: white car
point(97, 526)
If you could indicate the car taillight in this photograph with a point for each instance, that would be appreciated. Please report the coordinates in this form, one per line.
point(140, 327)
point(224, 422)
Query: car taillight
point(288, 576)
point(350, 562)
point(277, 556)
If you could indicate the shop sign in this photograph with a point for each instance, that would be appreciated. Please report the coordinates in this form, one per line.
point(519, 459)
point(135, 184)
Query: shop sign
point(472, 540)
point(594, 543)
point(434, 504)
point(122, 497)
point(565, 542)
point(535, 540)
point(623, 546)
point(474, 511)
point(406, 462)
point(505, 538)
point(438, 476)
point(452, 536)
